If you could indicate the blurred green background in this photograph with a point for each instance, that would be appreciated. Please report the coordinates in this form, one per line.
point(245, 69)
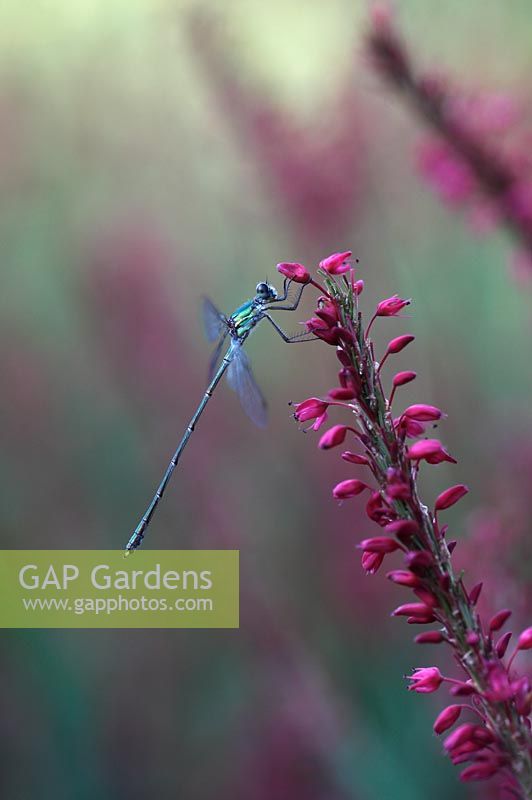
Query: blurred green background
point(150, 152)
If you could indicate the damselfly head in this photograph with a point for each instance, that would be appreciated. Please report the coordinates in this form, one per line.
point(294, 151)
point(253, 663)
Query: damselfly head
point(266, 292)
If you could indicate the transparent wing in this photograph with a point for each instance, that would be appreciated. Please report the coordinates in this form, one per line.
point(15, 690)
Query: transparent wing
point(214, 321)
point(215, 358)
point(240, 378)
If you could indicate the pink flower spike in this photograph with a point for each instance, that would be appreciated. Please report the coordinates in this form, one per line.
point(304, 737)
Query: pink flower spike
point(446, 718)
point(310, 409)
point(431, 450)
point(498, 620)
point(349, 488)
point(450, 496)
point(333, 437)
point(423, 413)
point(294, 271)
point(399, 343)
point(379, 544)
point(354, 458)
point(391, 307)
point(525, 640)
point(337, 263)
point(402, 378)
point(425, 680)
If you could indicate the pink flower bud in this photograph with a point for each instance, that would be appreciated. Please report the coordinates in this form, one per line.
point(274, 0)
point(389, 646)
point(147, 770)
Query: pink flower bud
point(294, 271)
point(479, 771)
point(423, 413)
point(404, 529)
point(402, 378)
point(337, 263)
point(418, 610)
point(429, 637)
point(474, 594)
point(450, 496)
point(349, 488)
point(341, 394)
point(446, 718)
point(403, 577)
point(498, 620)
point(354, 458)
point(310, 409)
point(462, 689)
point(391, 306)
point(472, 638)
point(464, 733)
point(431, 450)
point(359, 287)
point(525, 640)
point(371, 562)
point(379, 544)
point(425, 680)
point(399, 343)
point(333, 437)
point(502, 643)
point(419, 560)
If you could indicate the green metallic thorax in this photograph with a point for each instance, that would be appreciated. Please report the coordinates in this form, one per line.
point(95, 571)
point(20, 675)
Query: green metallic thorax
point(245, 317)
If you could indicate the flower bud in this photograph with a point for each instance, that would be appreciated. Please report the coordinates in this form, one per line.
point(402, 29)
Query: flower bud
point(498, 620)
point(402, 378)
point(354, 458)
point(525, 640)
point(349, 488)
point(423, 413)
point(333, 437)
point(371, 562)
point(294, 271)
point(429, 637)
point(379, 544)
point(450, 496)
point(399, 343)
point(446, 718)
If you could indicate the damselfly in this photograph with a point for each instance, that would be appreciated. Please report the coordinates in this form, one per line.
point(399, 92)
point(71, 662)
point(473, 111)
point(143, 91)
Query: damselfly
point(234, 330)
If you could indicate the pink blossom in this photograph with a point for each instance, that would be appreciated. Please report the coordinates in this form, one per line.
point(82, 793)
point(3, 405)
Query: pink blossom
point(391, 307)
point(425, 680)
point(310, 409)
point(337, 263)
point(431, 450)
point(294, 271)
point(354, 458)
